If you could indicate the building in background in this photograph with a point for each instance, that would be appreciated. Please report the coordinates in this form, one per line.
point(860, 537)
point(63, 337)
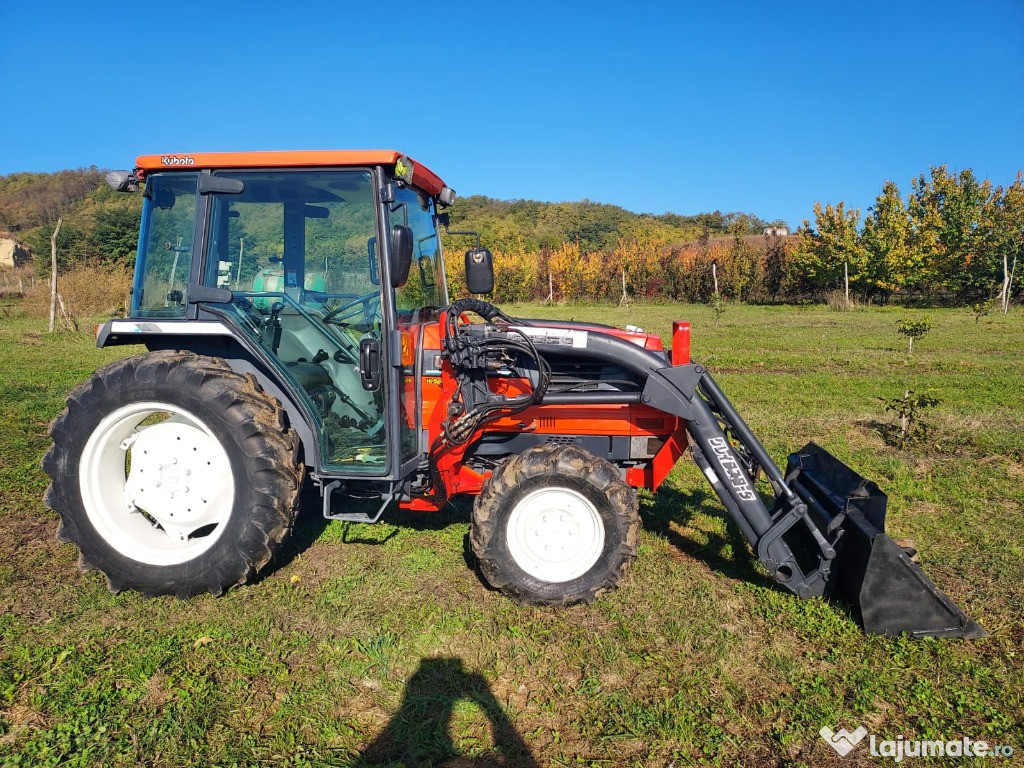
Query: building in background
point(12, 253)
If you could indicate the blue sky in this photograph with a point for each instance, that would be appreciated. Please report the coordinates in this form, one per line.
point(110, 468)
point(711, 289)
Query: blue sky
point(762, 107)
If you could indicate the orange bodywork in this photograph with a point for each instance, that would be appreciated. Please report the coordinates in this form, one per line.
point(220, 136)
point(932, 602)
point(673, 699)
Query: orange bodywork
point(423, 177)
point(438, 386)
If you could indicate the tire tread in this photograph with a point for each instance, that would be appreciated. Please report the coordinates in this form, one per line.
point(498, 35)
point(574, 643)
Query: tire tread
point(273, 454)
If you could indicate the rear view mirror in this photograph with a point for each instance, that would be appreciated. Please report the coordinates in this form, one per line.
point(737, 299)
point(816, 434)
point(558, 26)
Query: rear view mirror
point(400, 255)
point(479, 270)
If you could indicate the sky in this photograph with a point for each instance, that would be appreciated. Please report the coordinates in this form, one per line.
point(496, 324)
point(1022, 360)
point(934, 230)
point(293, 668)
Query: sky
point(655, 106)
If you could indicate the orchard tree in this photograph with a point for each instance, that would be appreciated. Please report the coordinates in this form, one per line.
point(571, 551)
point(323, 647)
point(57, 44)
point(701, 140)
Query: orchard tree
point(833, 241)
point(892, 263)
point(946, 211)
point(1002, 225)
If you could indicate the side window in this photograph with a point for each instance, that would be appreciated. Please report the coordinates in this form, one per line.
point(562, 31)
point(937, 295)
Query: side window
point(246, 245)
point(423, 286)
point(165, 254)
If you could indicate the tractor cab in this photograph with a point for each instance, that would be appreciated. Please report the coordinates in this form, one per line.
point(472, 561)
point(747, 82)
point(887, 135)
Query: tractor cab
point(314, 260)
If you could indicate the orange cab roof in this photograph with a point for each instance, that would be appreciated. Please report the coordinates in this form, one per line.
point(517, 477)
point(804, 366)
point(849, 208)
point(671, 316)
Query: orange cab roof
point(423, 177)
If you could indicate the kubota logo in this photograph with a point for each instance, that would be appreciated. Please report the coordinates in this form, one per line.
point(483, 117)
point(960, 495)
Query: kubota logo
point(177, 160)
point(843, 741)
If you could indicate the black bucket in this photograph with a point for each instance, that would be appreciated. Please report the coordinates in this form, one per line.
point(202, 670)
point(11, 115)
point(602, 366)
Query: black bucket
point(887, 590)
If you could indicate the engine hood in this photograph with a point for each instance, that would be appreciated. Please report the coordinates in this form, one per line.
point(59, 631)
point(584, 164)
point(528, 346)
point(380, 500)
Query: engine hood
point(649, 341)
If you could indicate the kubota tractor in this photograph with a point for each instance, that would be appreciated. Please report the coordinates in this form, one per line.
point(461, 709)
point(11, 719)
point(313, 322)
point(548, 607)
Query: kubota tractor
point(297, 322)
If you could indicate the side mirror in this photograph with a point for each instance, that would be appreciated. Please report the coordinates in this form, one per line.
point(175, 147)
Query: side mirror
point(122, 181)
point(400, 257)
point(479, 270)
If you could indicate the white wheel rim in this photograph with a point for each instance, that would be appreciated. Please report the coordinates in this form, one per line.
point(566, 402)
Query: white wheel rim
point(555, 534)
point(175, 501)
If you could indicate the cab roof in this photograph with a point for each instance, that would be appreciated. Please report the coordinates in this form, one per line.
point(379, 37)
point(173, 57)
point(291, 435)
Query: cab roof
point(423, 177)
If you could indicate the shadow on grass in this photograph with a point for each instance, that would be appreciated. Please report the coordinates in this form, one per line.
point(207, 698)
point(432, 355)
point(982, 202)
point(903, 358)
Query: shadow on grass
point(310, 524)
point(729, 554)
point(420, 733)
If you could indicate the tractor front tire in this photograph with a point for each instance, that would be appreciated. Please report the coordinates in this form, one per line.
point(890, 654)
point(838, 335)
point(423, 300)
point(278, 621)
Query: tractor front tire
point(173, 474)
point(555, 525)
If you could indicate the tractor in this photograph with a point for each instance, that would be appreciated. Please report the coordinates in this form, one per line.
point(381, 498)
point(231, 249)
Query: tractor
point(299, 333)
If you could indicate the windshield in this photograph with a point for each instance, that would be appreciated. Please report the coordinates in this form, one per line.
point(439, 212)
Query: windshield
point(165, 245)
point(425, 286)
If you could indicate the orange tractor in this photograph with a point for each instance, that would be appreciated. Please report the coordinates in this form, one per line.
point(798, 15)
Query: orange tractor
point(298, 326)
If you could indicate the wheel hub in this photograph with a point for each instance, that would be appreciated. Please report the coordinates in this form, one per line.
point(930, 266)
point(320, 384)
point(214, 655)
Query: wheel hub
point(172, 466)
point(555, 534)
point(159, 493)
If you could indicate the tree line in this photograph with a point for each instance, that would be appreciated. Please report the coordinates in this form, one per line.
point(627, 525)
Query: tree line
point(952, 239)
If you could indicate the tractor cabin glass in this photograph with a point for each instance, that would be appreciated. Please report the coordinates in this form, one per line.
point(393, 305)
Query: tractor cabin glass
point(418, 301)
point(297, 249)
point(165, 245)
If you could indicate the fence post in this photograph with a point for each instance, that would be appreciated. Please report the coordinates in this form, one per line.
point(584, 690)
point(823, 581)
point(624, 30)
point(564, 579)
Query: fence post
point(1008, 284)
point(846, 279)
point(53, 274)
point(714, 274)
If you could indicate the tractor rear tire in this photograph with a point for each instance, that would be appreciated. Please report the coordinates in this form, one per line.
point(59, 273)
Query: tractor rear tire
point(555, 525)
point(173, 474)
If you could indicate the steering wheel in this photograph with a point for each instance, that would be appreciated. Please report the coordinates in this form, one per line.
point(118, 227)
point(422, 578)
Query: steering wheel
point(348, 309)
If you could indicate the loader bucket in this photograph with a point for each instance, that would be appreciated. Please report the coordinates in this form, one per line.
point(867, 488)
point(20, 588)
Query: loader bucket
point(871, 572)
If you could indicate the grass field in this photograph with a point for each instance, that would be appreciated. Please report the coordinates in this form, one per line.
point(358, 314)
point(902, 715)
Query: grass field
point(378, 645)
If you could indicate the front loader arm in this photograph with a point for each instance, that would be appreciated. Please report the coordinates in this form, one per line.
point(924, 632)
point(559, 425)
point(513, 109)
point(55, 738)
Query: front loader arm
point(823, 535)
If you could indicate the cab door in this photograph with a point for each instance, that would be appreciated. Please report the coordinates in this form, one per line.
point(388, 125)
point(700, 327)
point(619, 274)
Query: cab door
point(298, 251)
point(418, 302)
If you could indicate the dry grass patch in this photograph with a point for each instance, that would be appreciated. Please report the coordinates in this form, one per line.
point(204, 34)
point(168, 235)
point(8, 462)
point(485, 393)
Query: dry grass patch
point(87, 290)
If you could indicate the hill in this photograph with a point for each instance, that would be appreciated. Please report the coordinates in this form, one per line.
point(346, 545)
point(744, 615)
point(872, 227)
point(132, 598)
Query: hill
point(533, 225)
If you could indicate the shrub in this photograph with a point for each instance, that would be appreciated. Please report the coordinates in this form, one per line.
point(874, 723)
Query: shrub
point(87, 289)
point(909, 426)
point(837, 300)
point(914, 329)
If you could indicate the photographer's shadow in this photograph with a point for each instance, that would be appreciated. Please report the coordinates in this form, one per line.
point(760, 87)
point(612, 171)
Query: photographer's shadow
point(419, 734)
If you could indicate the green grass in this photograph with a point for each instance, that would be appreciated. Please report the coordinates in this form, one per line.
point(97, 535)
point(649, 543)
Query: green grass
point(367, 642)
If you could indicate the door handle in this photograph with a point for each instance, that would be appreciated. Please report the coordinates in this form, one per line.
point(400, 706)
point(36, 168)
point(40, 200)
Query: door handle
point(369, 364)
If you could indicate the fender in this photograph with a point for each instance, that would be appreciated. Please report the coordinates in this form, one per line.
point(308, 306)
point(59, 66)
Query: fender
point(216, 339)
